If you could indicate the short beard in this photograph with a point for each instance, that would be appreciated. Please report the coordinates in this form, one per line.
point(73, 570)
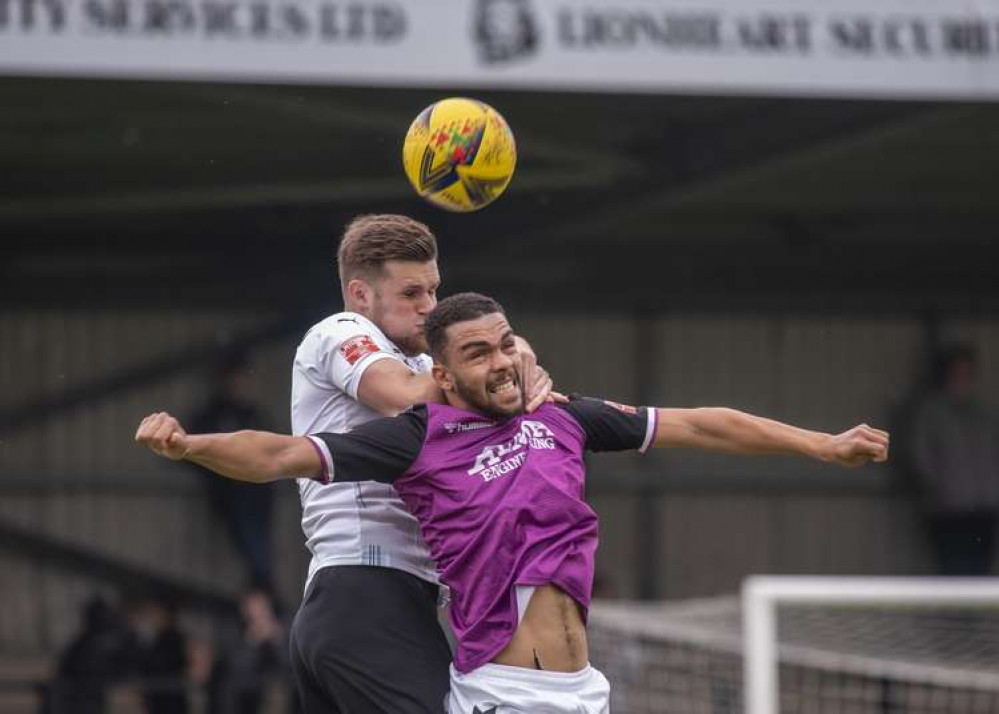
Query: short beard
point(486, 409)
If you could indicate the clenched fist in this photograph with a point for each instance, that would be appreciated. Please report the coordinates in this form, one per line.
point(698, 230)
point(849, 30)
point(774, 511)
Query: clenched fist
point(858, 446)
point(164, 436)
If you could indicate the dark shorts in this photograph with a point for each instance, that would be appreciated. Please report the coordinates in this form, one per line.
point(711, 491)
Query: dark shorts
point(366, 641)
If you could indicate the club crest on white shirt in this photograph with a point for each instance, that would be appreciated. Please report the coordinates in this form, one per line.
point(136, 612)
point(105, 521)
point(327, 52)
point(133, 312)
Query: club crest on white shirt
point(502, 459)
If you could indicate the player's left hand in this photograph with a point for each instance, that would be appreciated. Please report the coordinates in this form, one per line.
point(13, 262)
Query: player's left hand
point(537, 383)
point(860, 445)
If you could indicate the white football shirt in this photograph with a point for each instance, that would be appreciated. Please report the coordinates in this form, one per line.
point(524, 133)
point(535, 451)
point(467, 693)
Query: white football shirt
point(362, 523)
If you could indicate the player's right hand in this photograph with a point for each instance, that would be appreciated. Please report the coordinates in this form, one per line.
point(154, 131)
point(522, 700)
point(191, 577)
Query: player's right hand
point(858, 446)
point(164, 436)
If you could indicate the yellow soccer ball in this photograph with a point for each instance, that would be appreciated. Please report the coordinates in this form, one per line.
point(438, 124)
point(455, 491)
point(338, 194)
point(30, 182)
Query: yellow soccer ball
point(459, 154)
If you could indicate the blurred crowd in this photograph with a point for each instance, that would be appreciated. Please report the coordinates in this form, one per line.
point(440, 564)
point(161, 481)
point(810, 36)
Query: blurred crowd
point(138, 648)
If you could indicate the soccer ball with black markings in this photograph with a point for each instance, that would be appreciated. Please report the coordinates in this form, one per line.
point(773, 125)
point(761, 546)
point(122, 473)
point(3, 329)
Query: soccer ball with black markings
point(459, 154)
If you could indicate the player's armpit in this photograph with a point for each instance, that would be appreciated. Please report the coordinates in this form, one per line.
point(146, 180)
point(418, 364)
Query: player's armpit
point(389, 387)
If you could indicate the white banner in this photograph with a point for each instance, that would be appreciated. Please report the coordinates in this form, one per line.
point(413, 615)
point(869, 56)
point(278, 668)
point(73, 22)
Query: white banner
point(877, 48)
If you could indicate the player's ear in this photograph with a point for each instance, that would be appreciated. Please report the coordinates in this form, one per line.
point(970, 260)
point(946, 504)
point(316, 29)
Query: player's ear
point(359, 294)
point(442, 377)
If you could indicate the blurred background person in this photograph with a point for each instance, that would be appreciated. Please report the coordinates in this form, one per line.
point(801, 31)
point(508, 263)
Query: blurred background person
point(250, 657)
point(93, 660)
point(160, 655)
point(245, 511)
point(955, 452)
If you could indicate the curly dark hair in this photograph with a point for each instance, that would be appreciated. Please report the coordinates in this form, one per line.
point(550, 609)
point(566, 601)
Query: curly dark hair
point(457, 308)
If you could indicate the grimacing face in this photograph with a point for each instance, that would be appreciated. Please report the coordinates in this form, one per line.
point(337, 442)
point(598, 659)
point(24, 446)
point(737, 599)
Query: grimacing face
point(400, 300)
point(479, 372)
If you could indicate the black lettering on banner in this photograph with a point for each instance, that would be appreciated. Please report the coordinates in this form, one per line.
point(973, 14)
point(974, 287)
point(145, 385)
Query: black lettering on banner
point(328, 21)
point(107, 15)
point(903, 36)
point(853, 35)
point(590, 28)
point(566, 29)
point(284, 22)
point(357, 21)
point(920, 36)
point(260, 20)
point(168, 17)
point(27, 14)
point(970, 38)
point(27, 8)
point(235, 19)
point(294, 21)
point(33, 15)
point(388, 23)
point(694, 30)
point(775, 33)
point(606, 29)
point(220, 18)
point(56, 10)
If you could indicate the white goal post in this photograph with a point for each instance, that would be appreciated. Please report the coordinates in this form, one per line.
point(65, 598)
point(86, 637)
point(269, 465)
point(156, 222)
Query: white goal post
point(762, 594)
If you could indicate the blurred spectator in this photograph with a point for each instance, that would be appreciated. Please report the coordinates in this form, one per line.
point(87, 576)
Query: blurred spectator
point(955, 453)
point(160, 656)
point(245, 509)
point(92, 661)
point(250, 658)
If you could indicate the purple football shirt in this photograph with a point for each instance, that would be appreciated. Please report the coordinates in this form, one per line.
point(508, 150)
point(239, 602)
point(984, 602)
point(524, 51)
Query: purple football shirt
point(500, 503)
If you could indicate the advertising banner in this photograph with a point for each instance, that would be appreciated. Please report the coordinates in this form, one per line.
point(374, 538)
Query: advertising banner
point(945, 49)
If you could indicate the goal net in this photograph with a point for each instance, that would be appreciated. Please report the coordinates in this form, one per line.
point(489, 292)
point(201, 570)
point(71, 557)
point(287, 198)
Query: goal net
point(814, 645)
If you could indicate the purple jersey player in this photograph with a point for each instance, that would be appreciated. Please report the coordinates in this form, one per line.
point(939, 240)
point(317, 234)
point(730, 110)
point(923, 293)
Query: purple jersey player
point(499, 497)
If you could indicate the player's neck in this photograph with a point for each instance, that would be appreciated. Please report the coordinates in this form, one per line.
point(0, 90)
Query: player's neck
point(454, 400)
point(351, 306)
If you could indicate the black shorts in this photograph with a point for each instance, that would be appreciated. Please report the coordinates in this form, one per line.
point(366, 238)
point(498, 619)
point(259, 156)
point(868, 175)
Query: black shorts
point(366, 640)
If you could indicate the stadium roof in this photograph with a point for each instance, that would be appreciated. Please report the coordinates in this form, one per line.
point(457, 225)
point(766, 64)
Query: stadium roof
point(117, 192)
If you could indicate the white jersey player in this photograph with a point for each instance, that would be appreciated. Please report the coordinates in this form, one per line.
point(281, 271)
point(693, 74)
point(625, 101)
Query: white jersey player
point(361, 523)
point(366, 638)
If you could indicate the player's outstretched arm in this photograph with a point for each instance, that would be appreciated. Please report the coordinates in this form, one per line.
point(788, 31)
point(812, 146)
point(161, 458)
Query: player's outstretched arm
point(735, 432)
point(254, 456)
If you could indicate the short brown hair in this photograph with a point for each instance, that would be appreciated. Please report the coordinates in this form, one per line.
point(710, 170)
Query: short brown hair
point(370, 241)
point(457, 308)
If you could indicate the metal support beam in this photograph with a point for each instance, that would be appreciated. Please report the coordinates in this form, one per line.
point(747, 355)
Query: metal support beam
point(127, 576)
point(129, 378)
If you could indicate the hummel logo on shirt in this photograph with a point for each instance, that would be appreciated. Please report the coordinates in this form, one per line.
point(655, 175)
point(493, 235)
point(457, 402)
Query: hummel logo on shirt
point(501, 459)
point(459, 426)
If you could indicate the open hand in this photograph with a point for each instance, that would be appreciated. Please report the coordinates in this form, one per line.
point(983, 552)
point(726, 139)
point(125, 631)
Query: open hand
point(164, 436)
point(858, 446)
